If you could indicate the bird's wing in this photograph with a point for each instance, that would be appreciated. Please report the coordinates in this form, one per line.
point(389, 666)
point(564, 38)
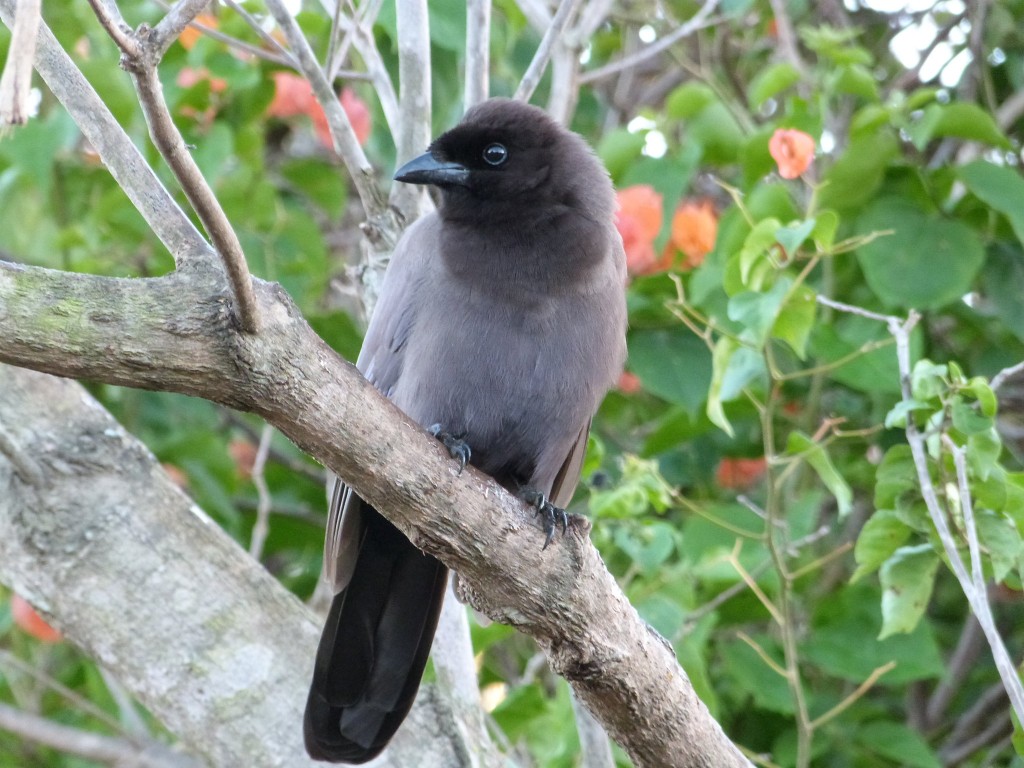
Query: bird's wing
point(568, 476)
point(380, 361)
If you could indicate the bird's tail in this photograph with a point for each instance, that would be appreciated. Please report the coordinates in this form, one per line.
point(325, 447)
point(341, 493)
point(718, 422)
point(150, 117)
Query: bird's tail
point(374, 646)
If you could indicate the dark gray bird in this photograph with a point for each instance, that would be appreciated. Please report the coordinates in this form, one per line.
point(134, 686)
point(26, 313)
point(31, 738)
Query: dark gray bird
point(500, 326)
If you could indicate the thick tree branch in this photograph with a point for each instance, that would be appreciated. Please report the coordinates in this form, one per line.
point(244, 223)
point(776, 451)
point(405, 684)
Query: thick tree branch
point(171, 333)
point(112, 551)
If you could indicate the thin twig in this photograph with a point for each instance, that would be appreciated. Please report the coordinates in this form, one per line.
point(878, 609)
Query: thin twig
point(535, 71)
point(116, 27)
point(175, 152)
point(282, 57)
point(121, 157)
point(1007, 373)
point(536, 13)
point(972, 585)
point(345, 141)
point(254, 24)
point(854, 310)
point(700, 20)
point(89, 745)
point(970, 644)
point(786, 35)
point(414, 100)
point(478, 52)
point(16, 80)
point(261, 526)
point(846, 703)
point(163, 35)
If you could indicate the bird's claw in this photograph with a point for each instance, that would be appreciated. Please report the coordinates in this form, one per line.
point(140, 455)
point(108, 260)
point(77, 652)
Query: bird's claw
point(457, 447)
point(550, 515)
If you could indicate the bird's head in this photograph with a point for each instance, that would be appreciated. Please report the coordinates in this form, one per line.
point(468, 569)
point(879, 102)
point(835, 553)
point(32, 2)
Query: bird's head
point(507, 158)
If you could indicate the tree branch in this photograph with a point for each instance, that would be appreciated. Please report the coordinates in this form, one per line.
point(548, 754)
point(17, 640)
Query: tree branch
point(16, 80)
point(120, 156)
point(414, 102)
point(171, 333)
point(700, 20)
point(116, 555)
point(478, 52)
point(141, 54)
point(90, 745)
point(345, 141)
point(566, 10)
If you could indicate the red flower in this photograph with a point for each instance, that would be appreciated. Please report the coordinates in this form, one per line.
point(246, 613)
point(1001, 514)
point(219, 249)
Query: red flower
point(792, 150)
point(639, 222)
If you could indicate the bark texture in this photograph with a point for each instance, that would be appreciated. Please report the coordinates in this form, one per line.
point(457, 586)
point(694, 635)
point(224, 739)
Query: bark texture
point(174, 333)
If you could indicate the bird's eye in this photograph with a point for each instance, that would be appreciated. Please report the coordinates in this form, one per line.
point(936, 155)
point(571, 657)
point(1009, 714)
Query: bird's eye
point(495, 154)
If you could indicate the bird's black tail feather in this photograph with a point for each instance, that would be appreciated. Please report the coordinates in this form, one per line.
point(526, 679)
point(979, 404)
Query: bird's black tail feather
point(374, 646)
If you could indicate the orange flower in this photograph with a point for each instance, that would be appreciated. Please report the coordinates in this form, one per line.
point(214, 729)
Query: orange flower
point(793, 151)
point(739, 474)
point(639, 222)
point(694, 230)
point(189, 76)
point(294, 96)
point(189, 35)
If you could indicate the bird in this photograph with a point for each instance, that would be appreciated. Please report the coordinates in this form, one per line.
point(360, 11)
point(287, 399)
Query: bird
point(500, 326)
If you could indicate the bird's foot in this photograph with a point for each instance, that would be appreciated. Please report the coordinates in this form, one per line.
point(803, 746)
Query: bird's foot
point(457, 446)
point(550, 515)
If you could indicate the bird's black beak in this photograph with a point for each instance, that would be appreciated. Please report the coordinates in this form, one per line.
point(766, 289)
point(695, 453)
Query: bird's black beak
point(427, 169)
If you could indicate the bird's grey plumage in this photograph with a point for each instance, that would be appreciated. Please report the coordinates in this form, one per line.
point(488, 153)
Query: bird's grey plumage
point(502, 319)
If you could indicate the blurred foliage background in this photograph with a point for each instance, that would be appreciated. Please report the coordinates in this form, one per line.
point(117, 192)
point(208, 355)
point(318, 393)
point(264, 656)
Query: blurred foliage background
point(749, 480)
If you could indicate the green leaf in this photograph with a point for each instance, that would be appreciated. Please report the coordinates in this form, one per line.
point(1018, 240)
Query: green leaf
point(721, 355)
point(648, 546)
point(826, 223)
point(960, 119)
point(856, 176)
point(796, 320)
point(816, 456)
point(928, 380)
point(983, 449)
point(717, 132)
point(881, 536)
point(907, 580)
point(857, 80)
point(895, 477)
point(1001, 542)
point(898, 743)
point(689, 99)
point(672, 363)
point(853, 612)
point(897, 417)
point(757, 312)
point(926, 263)
point(968, 420)
point(772, 81)
point(618, 149)
point(756, 251)
point(982, 391)
point(749, 673)
point(792, 236)
point(1000, 188)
